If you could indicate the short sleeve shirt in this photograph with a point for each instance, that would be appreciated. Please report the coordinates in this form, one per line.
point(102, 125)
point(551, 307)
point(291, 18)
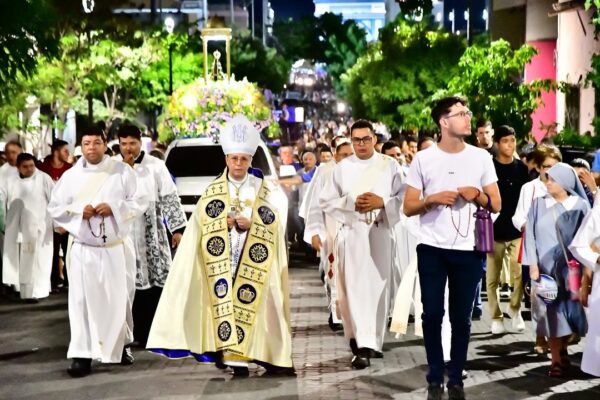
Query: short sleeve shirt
point(434, 170)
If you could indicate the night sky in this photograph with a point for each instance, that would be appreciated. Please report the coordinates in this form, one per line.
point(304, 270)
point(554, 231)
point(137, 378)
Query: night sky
point(292, 8)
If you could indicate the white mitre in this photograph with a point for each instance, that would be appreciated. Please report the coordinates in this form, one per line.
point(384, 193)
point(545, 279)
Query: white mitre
point(239, 136)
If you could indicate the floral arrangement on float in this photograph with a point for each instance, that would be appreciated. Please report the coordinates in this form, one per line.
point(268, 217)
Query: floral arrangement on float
point(201, 108)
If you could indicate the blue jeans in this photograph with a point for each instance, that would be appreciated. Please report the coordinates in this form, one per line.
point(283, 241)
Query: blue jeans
point(463, 270)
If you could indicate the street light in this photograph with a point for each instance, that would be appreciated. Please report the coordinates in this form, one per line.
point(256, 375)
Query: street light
point(216, 31)
point(169, 27)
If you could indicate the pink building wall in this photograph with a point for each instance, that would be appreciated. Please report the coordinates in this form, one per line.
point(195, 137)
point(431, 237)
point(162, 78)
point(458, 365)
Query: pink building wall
point(542, 66)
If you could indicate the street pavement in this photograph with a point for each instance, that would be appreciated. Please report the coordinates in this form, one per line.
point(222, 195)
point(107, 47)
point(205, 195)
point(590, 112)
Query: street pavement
point(34, 339)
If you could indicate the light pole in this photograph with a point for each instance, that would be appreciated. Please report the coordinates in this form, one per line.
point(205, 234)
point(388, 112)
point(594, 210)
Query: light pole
point(170, 26)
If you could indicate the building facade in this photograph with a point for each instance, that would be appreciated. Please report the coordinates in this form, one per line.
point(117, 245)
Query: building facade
point(563, 35)
point(369, 14)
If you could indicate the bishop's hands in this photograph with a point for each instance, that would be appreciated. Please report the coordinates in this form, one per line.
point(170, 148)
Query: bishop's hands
point(238, 221)
point(368, 202)
point(101, 209)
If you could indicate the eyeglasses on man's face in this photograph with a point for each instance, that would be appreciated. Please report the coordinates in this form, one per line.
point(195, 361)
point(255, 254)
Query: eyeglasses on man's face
point(362, 140)
point(462, 114)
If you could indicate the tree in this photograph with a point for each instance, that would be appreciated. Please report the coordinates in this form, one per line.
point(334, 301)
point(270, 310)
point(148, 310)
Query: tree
point(25, 33)
point(298, 39)
point(394, 81)
point(327, 39)
point(490, 77)
point(257, 63)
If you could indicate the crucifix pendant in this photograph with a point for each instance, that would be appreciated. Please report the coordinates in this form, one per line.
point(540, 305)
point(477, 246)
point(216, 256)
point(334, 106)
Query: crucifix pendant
point(104, 238)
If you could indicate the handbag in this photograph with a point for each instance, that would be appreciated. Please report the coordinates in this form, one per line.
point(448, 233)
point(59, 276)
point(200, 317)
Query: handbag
point(573, 267)
point(484, 228)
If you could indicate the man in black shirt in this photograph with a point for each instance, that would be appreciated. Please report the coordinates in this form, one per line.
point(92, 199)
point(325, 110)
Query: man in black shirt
point(485, 133)
point(512, 174)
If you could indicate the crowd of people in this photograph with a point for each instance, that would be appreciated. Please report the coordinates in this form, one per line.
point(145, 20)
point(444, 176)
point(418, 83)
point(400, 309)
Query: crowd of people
point(409, 229)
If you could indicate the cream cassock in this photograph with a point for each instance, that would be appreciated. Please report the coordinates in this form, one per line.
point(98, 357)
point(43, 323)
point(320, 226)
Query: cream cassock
point(365, 243)
point(27, 256)
point(318, 223)
point(8, 173)
point(98, 259)
point(585, 248)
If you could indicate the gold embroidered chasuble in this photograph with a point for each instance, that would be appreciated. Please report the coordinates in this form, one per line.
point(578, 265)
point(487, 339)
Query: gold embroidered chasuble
point(204, 308)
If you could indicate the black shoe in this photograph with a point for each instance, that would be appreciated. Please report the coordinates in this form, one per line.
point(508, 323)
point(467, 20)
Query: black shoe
point(411, 319)
point(273, 370)
point(435, 392)
point(32, 301)
point(334, 326)
point(241, 372)
point(219, 362)
point(476, 316)
point(456, 392)
point(127, 356)
point(370, 353)
point(359, 362)
point(353, 346)
point(80, 367)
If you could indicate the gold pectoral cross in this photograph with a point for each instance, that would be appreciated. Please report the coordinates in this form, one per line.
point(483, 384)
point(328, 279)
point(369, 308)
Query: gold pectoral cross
point(238, 206)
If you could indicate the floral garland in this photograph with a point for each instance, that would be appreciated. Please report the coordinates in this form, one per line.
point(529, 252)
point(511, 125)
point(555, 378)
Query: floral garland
point(200, 109)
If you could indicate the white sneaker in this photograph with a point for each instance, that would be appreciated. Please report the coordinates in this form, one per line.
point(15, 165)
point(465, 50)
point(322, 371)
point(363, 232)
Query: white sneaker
point(518, 323)
point(498, 327)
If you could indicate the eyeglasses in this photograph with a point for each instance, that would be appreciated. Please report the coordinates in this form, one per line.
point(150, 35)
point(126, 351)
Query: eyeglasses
point(363, 140)
point(461, 114)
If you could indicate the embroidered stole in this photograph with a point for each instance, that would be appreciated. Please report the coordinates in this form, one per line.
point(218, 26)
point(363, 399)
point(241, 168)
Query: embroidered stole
point(234, 311)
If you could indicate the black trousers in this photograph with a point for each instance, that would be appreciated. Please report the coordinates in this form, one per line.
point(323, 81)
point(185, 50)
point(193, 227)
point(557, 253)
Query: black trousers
point(60, 241)
point(144, 308)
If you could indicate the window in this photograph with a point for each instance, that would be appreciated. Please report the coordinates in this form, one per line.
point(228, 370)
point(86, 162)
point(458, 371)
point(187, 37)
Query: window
point(188, 161)
point(572, 103)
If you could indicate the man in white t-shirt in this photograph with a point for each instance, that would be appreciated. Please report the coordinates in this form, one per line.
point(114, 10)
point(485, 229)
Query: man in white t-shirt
point(446, 183)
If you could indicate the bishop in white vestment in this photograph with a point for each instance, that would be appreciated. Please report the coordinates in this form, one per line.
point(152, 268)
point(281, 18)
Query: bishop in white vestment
point(365, 197)
point(96, 202)
point(27, 256)
point(226, 299)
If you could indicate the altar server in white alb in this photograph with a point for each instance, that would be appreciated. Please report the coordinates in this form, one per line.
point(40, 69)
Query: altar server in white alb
point(321, 229)
point(365, 197)
point(28, 246)
point(8, 173)
point(586, 248)
point(152, 246)
point(96, 202)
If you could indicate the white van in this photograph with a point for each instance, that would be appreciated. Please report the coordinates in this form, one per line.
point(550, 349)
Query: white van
point(196, 162)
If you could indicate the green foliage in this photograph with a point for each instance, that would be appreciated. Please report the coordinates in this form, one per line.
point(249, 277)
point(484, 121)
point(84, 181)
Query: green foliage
point(490, 77)
point(326, 39)
point(595, 6)
point(571, 137)
point(257, 63)
point(25, 34)
point(394, 80)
